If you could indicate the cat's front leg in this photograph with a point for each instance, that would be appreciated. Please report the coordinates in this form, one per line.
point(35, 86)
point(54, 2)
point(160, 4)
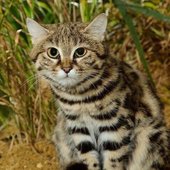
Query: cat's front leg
point(87, 161)
point(115, 155)
point(75, 148)
point(114, 144)
point(66, 152)
point(86, 147)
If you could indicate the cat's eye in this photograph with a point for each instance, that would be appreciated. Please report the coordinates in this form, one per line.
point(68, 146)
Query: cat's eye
point(80, 52)
point(53, 53)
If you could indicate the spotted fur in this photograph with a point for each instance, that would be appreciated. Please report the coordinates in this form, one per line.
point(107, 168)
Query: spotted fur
point(109, 118)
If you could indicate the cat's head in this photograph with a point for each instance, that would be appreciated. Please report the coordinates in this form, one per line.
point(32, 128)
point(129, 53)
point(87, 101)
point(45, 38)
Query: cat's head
point(66, 54)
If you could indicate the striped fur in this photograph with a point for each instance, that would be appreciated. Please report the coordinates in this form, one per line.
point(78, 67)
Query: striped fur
point(109, 116)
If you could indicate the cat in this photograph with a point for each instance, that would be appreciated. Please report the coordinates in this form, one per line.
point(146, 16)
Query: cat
point(110, 117)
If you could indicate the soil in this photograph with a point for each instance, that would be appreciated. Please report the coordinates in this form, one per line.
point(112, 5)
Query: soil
point(26, 157)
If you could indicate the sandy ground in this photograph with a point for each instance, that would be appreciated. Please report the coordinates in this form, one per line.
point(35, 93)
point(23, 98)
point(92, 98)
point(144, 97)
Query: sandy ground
point(26, 157)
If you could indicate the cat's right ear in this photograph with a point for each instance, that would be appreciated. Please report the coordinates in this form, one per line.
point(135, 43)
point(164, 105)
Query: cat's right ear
point(97, 27)
point(36, 31)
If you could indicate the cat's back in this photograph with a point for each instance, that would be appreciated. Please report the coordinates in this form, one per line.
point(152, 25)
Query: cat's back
point(141, 94)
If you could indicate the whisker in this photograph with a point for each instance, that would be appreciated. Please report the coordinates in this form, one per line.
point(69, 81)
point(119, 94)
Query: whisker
point(27, 81)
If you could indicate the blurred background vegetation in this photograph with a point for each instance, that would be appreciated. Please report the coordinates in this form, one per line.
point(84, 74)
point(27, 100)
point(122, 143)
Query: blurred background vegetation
point(138, 32)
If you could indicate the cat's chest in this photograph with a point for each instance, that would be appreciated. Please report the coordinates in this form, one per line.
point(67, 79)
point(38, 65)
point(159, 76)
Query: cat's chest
point(86, 124)
point(82, 116)
point(82, 110)
point(94, 116)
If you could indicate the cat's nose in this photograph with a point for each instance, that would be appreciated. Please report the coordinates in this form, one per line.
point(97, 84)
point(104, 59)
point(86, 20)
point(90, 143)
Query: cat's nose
point(67, 69)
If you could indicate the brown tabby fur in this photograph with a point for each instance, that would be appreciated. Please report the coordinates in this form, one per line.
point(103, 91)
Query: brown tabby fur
point(110, 117)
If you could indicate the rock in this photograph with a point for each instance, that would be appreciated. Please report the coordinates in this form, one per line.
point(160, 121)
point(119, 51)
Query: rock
point(39, 165)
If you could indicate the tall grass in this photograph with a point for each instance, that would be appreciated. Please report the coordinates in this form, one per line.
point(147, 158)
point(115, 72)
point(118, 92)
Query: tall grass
point(20, 96)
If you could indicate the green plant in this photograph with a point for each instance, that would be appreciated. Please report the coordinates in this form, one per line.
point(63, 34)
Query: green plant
point(123, 7)
point(20, 95)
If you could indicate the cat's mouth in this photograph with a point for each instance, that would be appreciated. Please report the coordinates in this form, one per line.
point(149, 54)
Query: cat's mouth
point(67, 76)
point(67, 81)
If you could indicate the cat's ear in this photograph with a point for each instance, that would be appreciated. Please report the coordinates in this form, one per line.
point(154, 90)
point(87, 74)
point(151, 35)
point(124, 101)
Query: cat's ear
point(36, 31)
point(97, 27)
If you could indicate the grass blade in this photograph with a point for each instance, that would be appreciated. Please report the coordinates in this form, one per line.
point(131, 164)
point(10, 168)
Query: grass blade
point(84, 10)
point(147, 11)
point(122, 8)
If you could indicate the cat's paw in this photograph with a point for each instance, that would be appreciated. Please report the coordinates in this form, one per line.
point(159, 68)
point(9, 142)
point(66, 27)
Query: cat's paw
point(77, 166)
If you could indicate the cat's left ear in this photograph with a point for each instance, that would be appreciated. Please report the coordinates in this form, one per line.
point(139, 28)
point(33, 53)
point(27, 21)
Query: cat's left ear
point(97, 27)
point(36, 31)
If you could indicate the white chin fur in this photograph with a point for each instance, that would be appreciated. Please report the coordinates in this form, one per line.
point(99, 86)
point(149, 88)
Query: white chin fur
point(67, 80)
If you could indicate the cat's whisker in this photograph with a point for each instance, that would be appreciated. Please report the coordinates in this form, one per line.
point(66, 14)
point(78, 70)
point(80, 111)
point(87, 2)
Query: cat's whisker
point(32, 85)
point(27, 81)
point(34, 80)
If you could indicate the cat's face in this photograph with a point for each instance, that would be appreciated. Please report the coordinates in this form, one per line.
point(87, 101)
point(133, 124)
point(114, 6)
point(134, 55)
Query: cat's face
point(66, 54)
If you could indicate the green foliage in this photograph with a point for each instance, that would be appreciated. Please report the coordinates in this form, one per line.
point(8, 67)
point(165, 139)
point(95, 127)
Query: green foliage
point(88, 10)
point(148, 11)
point(17, 77)
point(123, 10)
point(19, 95)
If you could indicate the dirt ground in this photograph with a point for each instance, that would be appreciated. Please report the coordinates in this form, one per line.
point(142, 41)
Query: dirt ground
point(25, 157)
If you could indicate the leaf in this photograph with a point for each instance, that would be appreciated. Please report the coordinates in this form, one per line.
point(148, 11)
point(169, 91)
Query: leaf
point(147, 11)
point(5, 112)
point(28, 10)
point(2, 81)
point(13, 22)
point(84, 10)
point(44, 6)
point(122, 8)
point(93, 7)
point(14, 11)
point(150, 5)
